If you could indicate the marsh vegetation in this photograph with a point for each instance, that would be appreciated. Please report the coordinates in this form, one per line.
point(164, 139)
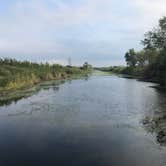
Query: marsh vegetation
point(18, 75)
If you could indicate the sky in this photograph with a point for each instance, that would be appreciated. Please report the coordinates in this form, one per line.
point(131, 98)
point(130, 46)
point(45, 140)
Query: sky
point(97, 31)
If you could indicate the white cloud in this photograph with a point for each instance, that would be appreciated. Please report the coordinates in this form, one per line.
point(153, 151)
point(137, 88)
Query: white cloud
point(151, 11)
point(56, 61)
point(61, 29)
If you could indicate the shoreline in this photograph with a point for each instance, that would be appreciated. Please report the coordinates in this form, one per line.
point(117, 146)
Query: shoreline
point(139, 78)
point(13, 95)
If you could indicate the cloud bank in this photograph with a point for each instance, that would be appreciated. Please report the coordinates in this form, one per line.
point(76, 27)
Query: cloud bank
point(85, 30)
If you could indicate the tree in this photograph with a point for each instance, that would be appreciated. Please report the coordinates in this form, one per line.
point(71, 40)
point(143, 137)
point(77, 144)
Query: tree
point(142, 59)
point(156, 38)
point(87, 66)
point(155, 41)
point(131, 58)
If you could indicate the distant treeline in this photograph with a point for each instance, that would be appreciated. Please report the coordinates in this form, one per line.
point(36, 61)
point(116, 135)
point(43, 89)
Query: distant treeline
point(149, 63)
point(16, 74)
point(112, 69)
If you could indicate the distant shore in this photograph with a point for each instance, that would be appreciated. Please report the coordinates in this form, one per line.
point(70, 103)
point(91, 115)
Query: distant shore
point(128, 72)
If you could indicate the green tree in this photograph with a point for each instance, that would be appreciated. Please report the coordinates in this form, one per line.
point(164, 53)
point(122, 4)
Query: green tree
point(131, 58)
point(142, 59)
point(155, 41)
point(157, 37)
point(87, 66)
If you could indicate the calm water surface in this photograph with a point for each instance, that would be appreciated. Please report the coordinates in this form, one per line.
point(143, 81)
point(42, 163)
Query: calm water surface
point(99, 121)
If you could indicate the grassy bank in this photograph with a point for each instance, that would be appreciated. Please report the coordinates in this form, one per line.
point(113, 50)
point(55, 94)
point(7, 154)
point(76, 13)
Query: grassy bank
point(16, 75)
point(140, 73)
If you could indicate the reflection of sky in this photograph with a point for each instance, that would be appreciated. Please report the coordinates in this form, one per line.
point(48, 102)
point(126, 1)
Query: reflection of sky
point(85, 30)
point(70, 125)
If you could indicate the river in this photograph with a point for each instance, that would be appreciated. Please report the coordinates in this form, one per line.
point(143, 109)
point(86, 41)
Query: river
point(102, 120)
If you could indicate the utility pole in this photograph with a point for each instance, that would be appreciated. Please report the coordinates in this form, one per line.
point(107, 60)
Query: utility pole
point(69, 62)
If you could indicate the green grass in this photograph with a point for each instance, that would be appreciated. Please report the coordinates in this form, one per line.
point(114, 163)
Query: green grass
point(16, 75)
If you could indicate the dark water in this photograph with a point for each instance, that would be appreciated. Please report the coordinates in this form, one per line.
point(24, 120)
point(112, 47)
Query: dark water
point(100, 121)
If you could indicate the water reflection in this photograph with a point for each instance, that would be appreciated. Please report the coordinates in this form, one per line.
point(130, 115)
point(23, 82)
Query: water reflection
point(14, 97)
point(5, 102)
point(88, 122)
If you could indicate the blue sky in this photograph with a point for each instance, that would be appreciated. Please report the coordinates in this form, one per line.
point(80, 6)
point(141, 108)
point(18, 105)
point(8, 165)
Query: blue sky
point(97, 31)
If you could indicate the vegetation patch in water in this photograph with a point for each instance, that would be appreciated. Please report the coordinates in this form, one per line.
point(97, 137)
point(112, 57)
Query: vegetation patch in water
point(157, 125)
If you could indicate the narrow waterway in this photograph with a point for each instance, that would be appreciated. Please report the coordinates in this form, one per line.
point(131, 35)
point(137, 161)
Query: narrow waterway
point(98, 121)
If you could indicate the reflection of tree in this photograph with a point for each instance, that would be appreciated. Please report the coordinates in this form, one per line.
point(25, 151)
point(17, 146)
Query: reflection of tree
point(13, 99)
point(16, 96)
point(86, 78)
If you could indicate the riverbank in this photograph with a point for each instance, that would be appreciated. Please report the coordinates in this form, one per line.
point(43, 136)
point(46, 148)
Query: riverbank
point(18, 77)
point(141, 74)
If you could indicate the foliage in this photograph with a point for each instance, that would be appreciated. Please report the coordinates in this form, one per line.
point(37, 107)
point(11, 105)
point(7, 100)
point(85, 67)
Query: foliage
point(130, 57)
point(112, 69)
point(15, 74)
point(150, 63)
point(87, 66)
point(157, 37)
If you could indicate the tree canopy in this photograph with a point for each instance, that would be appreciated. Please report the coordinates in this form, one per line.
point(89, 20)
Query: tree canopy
point(151, 61)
